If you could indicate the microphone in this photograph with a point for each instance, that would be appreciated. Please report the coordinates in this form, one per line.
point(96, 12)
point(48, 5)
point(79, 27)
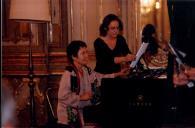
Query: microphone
point(179, 61)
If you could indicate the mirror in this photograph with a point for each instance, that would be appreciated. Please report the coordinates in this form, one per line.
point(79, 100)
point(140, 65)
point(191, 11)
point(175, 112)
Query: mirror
point(15, 33)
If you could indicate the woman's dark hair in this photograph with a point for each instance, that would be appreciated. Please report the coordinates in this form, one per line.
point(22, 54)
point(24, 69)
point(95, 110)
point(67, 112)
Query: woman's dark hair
point(106, 21)
point(73, 48)
point(148, 30)
point(147, 37)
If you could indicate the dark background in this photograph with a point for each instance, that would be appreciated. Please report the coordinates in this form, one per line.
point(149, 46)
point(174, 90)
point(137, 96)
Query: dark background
point(182, 21)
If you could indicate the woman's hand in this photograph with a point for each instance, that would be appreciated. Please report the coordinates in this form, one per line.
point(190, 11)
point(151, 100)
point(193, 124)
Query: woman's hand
point(122, 73)
point(129, 57)
point(86, 96)
point(180, 79)
point(190, 72)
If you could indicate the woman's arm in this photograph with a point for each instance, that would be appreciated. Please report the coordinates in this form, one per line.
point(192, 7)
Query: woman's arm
point(125, 53)
point(127, 58)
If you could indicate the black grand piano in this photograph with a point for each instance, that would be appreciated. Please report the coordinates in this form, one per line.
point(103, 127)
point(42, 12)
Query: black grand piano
point(135, 101)
point(145, 102)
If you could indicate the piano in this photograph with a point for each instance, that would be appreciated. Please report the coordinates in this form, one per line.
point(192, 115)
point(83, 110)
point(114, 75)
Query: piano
point(133, 101)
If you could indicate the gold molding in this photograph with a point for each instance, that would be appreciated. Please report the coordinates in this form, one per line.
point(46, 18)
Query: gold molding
point(71, 18)
point(100, 11)
point(119, 8)
point(82, 19)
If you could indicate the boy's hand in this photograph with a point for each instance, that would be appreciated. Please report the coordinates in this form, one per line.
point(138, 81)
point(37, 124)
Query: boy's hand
point(86, 96)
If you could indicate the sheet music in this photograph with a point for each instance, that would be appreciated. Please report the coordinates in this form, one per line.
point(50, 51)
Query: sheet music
point(140, 52)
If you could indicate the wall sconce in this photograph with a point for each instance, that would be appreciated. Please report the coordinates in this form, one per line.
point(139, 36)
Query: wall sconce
point(157, 4)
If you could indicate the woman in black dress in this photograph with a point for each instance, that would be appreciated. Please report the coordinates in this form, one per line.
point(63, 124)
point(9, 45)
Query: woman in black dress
point(111, 48)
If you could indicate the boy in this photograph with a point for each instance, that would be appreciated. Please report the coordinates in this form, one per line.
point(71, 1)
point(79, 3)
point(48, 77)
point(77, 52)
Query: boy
point(75, 89)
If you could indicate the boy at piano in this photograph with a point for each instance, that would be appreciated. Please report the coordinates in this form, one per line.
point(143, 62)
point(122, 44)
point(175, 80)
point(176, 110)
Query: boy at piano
point(77, 85)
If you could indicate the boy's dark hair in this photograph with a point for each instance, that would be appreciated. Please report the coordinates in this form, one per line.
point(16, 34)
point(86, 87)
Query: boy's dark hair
point(107, 20)
point(73, 48)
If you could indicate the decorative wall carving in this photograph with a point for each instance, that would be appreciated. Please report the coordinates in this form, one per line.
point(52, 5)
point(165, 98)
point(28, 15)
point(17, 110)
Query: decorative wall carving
point(20, 91)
